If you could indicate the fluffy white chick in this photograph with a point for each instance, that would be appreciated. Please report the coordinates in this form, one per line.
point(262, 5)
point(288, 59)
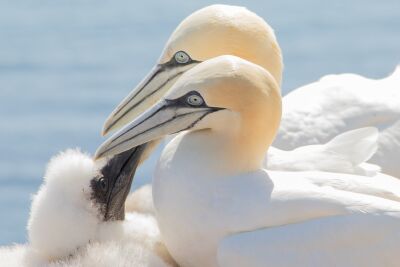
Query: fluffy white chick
point(78, 218)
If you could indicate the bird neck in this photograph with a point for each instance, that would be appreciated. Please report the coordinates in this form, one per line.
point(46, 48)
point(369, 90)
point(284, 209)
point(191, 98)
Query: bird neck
point(238, 146)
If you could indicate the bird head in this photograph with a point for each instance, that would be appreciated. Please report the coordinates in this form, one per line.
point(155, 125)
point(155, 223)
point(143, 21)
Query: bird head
point(226, 95)
point(207, 33)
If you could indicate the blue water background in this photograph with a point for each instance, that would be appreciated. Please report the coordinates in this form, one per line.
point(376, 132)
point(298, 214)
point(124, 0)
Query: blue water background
point(64, 65)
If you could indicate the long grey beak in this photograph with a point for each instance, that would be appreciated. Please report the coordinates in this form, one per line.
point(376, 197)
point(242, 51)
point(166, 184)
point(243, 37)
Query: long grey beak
point(164, 118)
point(146, 94)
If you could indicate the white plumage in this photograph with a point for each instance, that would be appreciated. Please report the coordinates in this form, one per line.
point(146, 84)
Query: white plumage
point(317, 112)
point(247, 219)
point(209, 187)
point(65, 228)
point(345, 153)
point(312, 115)
point(335, 219)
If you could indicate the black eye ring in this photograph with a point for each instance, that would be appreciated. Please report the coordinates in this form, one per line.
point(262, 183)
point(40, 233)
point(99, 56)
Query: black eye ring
point(102, 184)
point(181, 57)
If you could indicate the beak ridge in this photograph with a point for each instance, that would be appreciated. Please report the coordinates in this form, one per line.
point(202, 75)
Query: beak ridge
point(160, 120)
point(146, 94)
point(130, 106)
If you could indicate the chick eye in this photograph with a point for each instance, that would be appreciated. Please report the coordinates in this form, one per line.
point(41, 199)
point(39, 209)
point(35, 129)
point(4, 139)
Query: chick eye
point(103, 184)
point(194, 100)
point(181, 57)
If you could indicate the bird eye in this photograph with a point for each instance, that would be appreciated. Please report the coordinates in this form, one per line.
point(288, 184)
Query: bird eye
point(194, 100)
point(181, 57)
point(102, 184)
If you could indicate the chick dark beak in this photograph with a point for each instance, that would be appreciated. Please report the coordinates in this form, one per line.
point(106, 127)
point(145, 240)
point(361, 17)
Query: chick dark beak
point(112, 186)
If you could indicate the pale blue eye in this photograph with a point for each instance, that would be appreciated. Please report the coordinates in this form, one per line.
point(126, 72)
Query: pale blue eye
point(194, 100)
point(181, 57)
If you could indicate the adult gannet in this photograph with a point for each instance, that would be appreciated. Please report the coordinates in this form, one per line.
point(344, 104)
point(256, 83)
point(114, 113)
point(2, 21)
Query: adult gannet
point(230, 30)
point(77, 218)
point(209, 188)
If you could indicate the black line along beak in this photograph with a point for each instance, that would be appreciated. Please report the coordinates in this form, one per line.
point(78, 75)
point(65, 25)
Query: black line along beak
point(164, 118)
point(147, 93)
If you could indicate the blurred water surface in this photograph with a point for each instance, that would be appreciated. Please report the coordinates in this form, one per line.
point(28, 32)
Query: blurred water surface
point(64, 65)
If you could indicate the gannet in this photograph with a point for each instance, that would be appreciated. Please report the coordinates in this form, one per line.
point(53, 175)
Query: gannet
point(210, 189)
point(230, 30)
point(77, 218)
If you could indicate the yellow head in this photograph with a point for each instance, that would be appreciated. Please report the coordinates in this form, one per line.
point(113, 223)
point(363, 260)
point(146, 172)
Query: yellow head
point(226, 30)
point(207, 33)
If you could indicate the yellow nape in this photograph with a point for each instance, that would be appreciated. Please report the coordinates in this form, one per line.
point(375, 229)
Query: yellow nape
point(227, 30)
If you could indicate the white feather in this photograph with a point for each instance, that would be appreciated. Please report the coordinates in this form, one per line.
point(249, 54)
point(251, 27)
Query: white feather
point(345, 153)
point(317, 112)
point(141, 201)
point(65, 230)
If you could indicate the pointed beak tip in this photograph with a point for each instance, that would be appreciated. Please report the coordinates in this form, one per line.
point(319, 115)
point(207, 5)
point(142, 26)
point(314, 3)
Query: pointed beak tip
point(107, 126)
point(96, 156)
point(99, 154)
point(104, 131)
